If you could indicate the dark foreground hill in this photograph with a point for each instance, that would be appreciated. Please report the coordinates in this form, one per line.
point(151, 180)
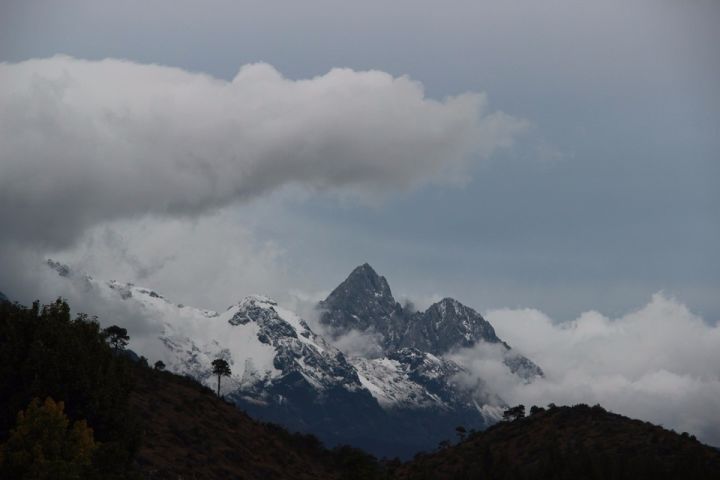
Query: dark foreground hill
point(190, 433)
point(579, 442)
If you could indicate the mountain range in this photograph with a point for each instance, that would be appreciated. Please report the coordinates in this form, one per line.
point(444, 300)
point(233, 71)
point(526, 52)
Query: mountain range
point(400, 397)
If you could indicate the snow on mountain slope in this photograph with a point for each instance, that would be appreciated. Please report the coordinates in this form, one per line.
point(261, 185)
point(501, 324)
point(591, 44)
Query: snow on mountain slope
point(411, 379)
point(262, 342)
point(266, 345)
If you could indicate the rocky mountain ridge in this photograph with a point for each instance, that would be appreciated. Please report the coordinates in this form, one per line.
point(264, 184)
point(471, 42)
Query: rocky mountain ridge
point(364, 303)
point(403, 401)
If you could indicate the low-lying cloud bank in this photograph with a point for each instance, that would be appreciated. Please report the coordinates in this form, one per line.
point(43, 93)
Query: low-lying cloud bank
point(84, 142)
point(660, 363)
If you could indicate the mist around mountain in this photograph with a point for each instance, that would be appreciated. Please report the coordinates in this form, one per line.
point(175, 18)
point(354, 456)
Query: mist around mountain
point(404, 397)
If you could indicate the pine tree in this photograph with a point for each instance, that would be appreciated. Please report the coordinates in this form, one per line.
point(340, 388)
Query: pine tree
point(117, 337)
point(221, 369)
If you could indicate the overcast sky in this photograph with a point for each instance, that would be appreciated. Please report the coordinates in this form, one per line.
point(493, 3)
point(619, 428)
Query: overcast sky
point(552, 164)
point(558, 155)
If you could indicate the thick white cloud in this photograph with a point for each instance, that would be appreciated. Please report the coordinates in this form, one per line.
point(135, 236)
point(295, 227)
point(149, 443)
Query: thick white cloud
point(660, 363)
point(83, 142)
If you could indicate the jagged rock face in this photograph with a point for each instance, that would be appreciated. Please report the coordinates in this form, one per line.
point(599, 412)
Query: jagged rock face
point(411, 379)
point(318, 363)
point(363, 302)
point(447, 324)
point(266, 346)
point(3, 298)
point(426, 368)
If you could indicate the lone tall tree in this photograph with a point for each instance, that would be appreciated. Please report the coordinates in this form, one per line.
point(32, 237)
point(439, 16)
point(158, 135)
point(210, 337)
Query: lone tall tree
point(117, 337)
point(221, 369)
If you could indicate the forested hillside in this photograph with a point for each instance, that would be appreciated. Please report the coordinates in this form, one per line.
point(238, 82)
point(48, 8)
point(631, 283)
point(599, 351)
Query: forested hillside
point(91, 410)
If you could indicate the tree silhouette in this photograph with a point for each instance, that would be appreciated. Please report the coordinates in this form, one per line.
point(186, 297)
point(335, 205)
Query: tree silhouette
point(160, 365)
point(43, 445)
point(117, 337)
point(514, 413)
point(535, 409)
point(221, 369)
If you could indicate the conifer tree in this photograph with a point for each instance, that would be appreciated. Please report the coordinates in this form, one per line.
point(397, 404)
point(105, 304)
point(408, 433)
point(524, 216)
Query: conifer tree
point(221, 369)
point(117, 337)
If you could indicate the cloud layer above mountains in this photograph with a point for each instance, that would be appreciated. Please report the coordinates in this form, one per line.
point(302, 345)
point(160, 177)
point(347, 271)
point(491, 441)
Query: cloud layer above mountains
point(89, 141)
point(659, 363)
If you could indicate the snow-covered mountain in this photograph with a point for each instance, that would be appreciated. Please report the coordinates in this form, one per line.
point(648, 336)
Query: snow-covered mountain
point(405, 399)
point(364, 303)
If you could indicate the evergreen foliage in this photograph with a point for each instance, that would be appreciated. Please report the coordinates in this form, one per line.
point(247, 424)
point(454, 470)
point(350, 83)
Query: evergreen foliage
point(46, 353)
point(535, 409)
point(514, 413)
point(44, 446)
point(221, 369)
point(117, 337)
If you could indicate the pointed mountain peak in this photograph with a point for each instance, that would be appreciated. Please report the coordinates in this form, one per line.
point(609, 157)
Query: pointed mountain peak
point(364, 271)
point(362, 301)
point(365, 268)
point(364, 280)
point(448, 324)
